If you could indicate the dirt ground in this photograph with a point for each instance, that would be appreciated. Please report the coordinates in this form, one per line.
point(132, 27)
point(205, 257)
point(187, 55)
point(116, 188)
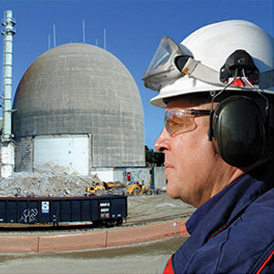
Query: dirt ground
point(155, 206)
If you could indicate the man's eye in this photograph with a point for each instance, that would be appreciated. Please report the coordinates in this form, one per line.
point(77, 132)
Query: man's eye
point(174, 126)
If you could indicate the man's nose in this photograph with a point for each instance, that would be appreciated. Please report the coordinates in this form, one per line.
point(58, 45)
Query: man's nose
point(161, 144)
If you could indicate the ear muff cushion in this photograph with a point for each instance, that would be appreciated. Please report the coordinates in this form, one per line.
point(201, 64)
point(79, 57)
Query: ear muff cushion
point(239, 131)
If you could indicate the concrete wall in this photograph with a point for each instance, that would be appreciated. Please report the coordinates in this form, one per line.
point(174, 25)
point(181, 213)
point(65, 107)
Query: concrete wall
point(152, 176)
point(24, 154)
point(69, 153)
point(7, 159)
point(159, 177)
point(124, 175)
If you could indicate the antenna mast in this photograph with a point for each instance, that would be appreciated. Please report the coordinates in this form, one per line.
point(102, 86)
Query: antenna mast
point(48, 41)
point(84, 31)
point(105, 40)
point(54, 36)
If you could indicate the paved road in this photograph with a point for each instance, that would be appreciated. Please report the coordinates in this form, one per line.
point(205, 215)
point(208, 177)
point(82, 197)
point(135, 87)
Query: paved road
point(147, 258)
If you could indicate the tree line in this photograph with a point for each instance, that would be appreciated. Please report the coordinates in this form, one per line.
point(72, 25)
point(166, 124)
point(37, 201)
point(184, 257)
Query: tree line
point(154, 158)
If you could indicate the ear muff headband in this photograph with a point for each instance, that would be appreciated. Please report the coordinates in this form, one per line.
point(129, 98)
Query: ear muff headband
point(238, 130)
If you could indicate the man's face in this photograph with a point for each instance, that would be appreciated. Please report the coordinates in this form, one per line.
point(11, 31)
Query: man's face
point(190, 158)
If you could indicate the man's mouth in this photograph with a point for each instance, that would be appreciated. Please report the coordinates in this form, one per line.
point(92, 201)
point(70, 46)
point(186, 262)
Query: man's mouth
point(168, 165)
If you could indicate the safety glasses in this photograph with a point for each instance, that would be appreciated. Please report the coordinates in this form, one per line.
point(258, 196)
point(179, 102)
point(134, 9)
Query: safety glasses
point(179, 121)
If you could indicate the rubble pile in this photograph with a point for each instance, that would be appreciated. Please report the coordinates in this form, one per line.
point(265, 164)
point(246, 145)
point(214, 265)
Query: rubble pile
point(47, 184)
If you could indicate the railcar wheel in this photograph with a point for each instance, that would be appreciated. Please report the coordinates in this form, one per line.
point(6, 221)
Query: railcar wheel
point(109, 223)
point(119, 221)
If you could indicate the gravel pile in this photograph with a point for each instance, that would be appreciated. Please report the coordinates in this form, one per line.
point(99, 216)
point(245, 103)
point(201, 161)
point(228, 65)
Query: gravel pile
point(48, 184)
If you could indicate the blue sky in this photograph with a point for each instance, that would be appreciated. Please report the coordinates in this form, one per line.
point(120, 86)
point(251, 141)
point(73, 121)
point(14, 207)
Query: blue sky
point(133, 30)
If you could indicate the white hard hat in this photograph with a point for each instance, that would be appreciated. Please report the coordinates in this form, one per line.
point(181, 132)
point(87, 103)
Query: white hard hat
point(206, 53)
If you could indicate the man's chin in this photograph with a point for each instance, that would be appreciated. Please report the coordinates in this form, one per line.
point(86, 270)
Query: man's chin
point(171, 192)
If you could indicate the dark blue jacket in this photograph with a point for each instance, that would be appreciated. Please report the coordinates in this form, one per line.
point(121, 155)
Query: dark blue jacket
point(233, 232)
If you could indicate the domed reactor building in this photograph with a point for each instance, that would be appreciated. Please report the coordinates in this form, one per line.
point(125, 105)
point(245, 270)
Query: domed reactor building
point(77, 108)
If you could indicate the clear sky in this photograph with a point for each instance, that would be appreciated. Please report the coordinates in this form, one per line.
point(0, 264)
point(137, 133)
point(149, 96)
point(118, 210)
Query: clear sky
point(133, 30)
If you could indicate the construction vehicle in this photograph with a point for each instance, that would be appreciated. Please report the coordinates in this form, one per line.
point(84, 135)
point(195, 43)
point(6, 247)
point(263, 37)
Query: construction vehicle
point(99, 188)
point(136, 188)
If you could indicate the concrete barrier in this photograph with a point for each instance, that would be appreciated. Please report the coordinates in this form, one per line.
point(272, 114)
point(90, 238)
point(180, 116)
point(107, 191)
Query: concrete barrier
point(90, 240)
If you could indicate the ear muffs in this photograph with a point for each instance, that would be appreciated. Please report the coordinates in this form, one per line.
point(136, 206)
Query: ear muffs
point(238, 129)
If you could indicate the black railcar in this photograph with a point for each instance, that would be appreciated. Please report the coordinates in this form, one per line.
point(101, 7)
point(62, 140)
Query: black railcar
point(106, 210)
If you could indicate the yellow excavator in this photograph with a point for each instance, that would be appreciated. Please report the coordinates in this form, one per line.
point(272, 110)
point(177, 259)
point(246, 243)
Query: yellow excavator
point(99, 188)
point(138, 188)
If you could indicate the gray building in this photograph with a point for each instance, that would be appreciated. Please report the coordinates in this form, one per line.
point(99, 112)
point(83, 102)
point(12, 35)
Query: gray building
point(77, 107)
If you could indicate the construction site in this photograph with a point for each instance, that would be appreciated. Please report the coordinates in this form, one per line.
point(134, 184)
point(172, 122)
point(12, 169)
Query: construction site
point(65, 188)
point(54, 143)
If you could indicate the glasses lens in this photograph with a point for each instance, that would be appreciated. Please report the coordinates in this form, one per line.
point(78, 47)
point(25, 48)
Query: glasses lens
point(178, 121)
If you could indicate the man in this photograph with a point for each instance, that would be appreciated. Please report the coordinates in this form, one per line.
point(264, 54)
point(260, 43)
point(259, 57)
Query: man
point(217, 89)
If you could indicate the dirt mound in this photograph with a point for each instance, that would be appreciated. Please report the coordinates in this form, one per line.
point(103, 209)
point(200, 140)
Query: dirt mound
point(48, 184)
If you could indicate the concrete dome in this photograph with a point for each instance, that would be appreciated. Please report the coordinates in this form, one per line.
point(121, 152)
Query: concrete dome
point(82, 89)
